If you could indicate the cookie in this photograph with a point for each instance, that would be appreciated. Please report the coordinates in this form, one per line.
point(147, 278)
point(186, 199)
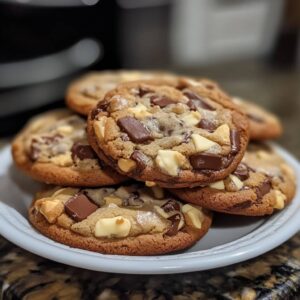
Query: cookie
point(173, 134)
point(262, 184)
point(126, 220)
point(84, 93)
point(53, 148)
point(263, 124)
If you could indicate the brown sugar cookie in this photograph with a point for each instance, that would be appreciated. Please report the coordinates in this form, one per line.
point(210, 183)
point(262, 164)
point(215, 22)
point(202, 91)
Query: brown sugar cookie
point(262, 184)
point(263, 124)
point(53, 148)
point(126, 220)
point(84, 93)
point(173, 134)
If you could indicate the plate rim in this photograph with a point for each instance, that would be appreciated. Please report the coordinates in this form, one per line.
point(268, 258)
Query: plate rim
point(164, 264)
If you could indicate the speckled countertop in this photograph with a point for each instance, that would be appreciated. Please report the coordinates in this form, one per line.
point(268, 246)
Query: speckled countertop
point(275, 275)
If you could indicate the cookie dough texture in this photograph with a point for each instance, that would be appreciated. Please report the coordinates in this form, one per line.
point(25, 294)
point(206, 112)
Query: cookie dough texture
point(127, 220)
point(84, 93)
point(53, 148)
point(262, 184)
point(173, 133)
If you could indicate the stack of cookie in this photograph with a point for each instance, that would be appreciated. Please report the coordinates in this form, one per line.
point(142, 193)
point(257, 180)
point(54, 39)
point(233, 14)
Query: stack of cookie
point(143, 159)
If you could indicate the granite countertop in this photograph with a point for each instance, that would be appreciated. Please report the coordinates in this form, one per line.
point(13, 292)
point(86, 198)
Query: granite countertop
point(275, 275)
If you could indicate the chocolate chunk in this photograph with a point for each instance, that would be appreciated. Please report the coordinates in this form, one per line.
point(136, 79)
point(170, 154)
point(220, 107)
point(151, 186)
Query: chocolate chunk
point(235, 141)
point(135, 129)
point(242, 172)
point(186, 137)
point(79, 207)
point(140, 159)
point(207, 125)
point(101, 106)
point(197, 101)
point(263, 189)
point(134, 200)
point(142, 92)
point(206, 161)
point(162, 101)
point(255, 118)
point(171, 205)
point(82, 152)
point(241, 205)
point(174, 227)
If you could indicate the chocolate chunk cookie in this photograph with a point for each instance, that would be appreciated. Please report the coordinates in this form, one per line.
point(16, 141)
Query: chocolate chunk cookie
point(53, 148)
point(263, 124)
point(173, 134)
point(127, 220)
point(262, 183)
point(84, 93)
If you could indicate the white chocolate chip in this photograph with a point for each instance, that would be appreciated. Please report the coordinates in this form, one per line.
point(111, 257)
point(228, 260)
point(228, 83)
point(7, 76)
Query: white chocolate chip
point(126, 165)
point(193, 216)
point(139, 111)
point(158, 192)
point(63, 160)
point(262, 154)
point(280, 199)
point(51, 209)
point(112, 227)
point(218, 185)
point(66, 129)
point(113, 200)
point(170, 161)
point(99, 127)
point(150, 183)
point(201, 143)
point(238, 183)
point(192, 118)
point(222, 134)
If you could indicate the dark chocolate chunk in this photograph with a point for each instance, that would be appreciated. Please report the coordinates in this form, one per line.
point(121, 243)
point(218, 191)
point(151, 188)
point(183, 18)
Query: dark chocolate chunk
point(235, 141)
point(175, 219)
point(82, 152)
point(255, 118)
point(197, 101)
point(142, 92)
point(140, 159)
point(207, 125)
point(101, 106)
point(242, 172)
point(263, 189)
point(162, 101)
point(79, 207)
point(135, 129)
point(206, 161)
point(241, 205)
point(171, 205)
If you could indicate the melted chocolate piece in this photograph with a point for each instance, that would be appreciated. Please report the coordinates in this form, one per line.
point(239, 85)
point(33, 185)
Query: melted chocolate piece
point(207, 125)
point(140, 159)
point(255, 118)
point(133, 200)
point(137, 132)
point(235, 141)
point(197, 101)
point(101, 106)
point(171, 205)
point(206, 161)
point(162, 101)
point(174, 227)
point(263, 189)
point(242, 172)
point(82, 152)
point(241, 205)
point(79, 207)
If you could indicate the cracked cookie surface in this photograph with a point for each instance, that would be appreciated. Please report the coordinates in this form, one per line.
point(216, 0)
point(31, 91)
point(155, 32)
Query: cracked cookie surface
point(53, 148)
point(84, 93)
point(173, 134)
point(262, 184)
point(129, 219)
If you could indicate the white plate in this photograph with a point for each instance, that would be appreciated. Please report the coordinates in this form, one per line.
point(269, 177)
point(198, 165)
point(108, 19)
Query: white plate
point(230, 240)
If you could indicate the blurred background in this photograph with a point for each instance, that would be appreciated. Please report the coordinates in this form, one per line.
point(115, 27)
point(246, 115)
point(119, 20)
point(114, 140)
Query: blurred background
point(251, 47)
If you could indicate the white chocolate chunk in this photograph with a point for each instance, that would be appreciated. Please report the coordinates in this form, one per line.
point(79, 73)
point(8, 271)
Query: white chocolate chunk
point(99, 127)
point(218, 185)
point(112, 227)
point(113, 199)
point(63, 160)
point(238, 183)
point(126, 165)
point(192, 118)
point(193, 216)
point(201, 143)
point(169, 161)
point(263, 154)
point(222, 134)
point(51, 210)
point(139, 111)
point(150, 183)
point(280, 199)
point(66, 129)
